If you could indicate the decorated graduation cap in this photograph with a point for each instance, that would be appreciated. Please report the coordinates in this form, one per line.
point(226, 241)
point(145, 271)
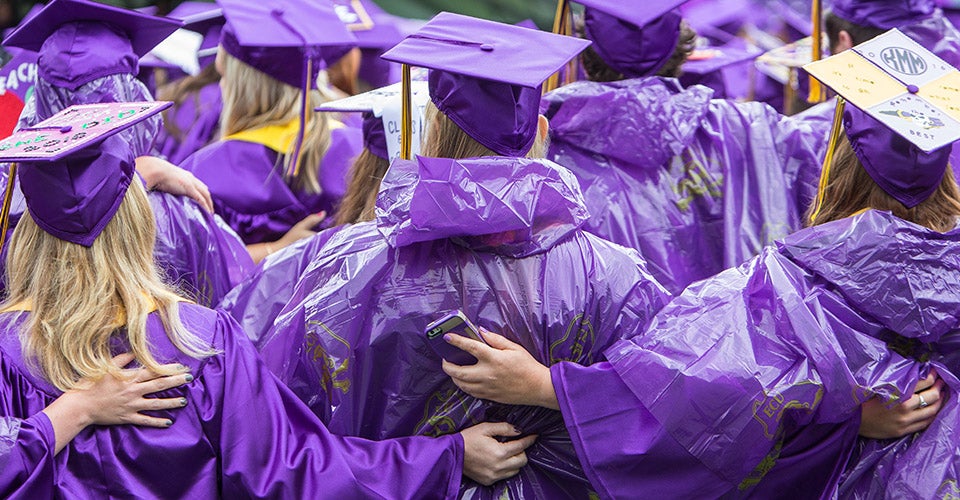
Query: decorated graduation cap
point(382, 112)
point(883, 14)
point(633, 37)
point(73, 170)
point(289, 40)
point(905, 112)
point(486, 76)
point(79, 40)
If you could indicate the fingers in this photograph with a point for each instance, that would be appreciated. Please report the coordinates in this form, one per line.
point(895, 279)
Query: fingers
point(123, 359)
point(145, 375)
point(312, 220)
point(196, 192)
point(518, 446)
point(475, 347)
point(927, 382)
point(157, 404)
point(498, 341)
point(164, 383)
point(493, 429)
point(148, 421)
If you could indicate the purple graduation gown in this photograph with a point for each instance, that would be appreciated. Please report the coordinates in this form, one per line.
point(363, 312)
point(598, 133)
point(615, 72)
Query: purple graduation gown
point(197, 119)
point(696, 184)
point(498, 238)
point(746, 377)
point(242, 435)
point(250, 193)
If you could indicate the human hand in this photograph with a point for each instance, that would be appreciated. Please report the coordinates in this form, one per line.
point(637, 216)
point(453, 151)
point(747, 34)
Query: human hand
point(486, 460)
point(877, 421)
point(505, 372)
point(161, 175)
point(301, 230)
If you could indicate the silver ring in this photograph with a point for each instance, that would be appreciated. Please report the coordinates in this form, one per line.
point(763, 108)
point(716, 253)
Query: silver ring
point(923, 402)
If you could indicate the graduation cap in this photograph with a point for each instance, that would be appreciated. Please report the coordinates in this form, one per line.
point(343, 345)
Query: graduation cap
point(79, 41)
point(289, 40)
point(712, 59)
point(204, 18)
point(905, 112)
point(382, 112)
point(73, 170)
point(883, 14)
point(633, 37)
point(486, 76)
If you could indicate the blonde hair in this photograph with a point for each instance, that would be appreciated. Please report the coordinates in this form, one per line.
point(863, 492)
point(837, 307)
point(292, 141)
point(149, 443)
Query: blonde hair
point(850, 189)
point(179, 91)
point(253, 99)
point(79, 297)
point(445, 139)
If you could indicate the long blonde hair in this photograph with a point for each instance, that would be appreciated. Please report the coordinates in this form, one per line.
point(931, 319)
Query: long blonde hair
point(80, 297)
point(253, 99)
point(445, 139)
point(850, 189)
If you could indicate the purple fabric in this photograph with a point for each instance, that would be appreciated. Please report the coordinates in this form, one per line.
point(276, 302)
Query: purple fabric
point(498, 238)
point(197, 251)
point(81, 52)
point(800, 336)
point(198, 120)
point(937, 34)
point(74, 198)
point(883, 14)
point(374, 135)
point(696, 185)
point(894, 163)
point(632, 50)
point(259, 299)
point(249, 191)
point(211, 449)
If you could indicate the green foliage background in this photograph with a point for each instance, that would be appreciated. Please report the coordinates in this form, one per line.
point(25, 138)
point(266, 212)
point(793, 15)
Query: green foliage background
point(509, 11)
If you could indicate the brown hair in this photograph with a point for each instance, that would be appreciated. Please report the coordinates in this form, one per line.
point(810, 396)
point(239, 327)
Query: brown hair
point(834, 24)
point(850, 189)
point(361, 197)
point(80, 297)
point(179, 91)
point(598, 71)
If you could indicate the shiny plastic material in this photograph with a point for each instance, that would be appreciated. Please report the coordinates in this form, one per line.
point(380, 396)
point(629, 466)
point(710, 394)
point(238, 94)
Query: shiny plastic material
point(498, 238)
point(696, 185)
point(802, 335)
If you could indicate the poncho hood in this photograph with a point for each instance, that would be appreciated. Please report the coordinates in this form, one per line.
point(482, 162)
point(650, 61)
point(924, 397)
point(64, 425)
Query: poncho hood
point(904, 276)
point(511, 206)
point(656, 118)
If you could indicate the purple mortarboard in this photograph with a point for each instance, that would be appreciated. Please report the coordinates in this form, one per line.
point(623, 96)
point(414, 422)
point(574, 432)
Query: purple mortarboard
point(373, 27)
point(280, 37)
point(709, 60)
point(883, 14)
point(487, 76)
point(901, 113)
point(289, 40)
point(74, 175)
point(79, 41)
point(204, 18)
point(634, 37)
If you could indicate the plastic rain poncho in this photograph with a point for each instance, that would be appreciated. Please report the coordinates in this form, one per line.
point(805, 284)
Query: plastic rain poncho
point(498, 238)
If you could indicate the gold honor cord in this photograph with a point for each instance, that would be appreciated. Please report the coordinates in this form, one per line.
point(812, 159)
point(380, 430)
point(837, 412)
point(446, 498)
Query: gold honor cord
point(7, 201)
point(561, 26)
point(406, 128)
point(304, 98)
point(828, 158)
point(816, 50)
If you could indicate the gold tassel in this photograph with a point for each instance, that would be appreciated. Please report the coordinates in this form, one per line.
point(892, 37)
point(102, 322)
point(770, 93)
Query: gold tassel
point(406, 129)
point(7, 201)
point(828, 158)
point(816, 89)
point(561, 26)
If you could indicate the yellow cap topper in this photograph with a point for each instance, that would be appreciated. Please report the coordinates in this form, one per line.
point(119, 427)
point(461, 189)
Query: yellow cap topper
point(900, 83)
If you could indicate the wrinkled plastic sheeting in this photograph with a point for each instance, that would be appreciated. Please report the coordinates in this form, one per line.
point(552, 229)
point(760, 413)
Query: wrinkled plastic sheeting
point(197, 252)
point(9, 431)
point(351, 342)
point(696, 184)
point(791, 337)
